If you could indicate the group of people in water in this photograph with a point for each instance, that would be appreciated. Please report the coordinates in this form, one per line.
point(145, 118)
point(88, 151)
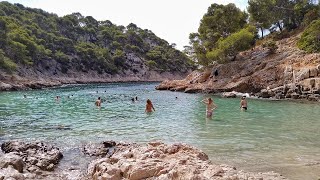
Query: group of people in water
point(210, 105)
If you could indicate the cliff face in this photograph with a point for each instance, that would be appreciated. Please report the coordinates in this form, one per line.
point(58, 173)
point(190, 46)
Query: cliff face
point(257, 71)
point(48, 74)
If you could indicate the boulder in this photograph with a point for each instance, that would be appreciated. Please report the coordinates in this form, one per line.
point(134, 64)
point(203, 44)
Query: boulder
point(303, 74)
point(10, 173)
point(100, 149)
point(38, 154)
point(313, 72)
point(265, 93)
point(5, 86)
point(295, 96)
point(229, 95)
point(12, 159)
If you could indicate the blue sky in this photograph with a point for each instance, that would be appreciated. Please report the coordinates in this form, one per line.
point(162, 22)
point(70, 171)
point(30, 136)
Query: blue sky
point(172, 20)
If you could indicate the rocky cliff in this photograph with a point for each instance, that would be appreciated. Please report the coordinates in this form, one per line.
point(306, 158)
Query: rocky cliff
point(289, 72)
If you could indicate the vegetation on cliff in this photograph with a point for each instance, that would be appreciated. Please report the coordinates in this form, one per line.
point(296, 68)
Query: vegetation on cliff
point(310, 39)
point(29, 37)
point(225, 30)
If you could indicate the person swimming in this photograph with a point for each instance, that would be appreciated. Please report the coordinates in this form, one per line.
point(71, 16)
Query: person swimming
point(243, 103)
point(98, 102)
point(132, 100)
point(210, 107)
point(149, 106)
point(136, 98)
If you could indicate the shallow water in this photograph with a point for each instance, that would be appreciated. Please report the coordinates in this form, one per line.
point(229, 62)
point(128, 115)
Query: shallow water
point(278, 136)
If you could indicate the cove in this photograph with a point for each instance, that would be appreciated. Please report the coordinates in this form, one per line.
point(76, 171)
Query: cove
point(278, 136)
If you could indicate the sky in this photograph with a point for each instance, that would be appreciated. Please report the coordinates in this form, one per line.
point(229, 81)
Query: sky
point(172, 20)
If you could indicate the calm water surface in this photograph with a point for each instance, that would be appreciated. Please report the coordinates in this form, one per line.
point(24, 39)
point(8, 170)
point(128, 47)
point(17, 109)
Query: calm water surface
point(275, 136)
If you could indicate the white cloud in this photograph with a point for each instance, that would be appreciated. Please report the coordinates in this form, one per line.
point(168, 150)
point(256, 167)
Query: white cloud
point(172, 20)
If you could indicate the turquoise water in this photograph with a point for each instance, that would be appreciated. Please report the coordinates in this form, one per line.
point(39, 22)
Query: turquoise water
point(278, 136)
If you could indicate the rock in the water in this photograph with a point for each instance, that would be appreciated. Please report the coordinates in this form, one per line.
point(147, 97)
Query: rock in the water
point(101, 149)
point(229, 95)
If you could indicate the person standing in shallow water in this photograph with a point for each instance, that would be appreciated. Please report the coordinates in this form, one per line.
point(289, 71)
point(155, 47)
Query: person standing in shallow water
point(243, 103)
point(98, 102)
point(149, 106)
point(210, 107)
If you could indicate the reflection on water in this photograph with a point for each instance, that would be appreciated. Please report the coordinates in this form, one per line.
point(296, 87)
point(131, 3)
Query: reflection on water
point(279, 136)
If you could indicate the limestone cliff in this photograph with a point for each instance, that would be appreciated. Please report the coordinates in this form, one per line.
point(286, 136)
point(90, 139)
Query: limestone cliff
point(287, 71)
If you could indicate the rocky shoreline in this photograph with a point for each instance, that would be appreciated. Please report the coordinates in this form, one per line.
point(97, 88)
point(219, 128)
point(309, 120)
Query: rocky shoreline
point(289, 73)
point(14, 82)
point(116, 161)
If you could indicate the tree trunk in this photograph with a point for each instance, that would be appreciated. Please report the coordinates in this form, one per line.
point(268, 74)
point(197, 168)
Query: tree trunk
point(279, 25)
point(261, 32)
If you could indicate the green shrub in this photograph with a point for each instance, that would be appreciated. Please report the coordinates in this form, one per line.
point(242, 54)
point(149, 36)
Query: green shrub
point(310, 38)
point(152, 64)
point(271, 46)
point(7, 63)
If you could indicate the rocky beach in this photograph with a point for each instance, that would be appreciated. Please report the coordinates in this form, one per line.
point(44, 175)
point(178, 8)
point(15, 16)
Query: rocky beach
point(118, 160)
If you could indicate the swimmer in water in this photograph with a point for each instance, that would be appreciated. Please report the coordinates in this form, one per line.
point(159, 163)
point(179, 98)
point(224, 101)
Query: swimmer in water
point(243, 104)
point(149, 106)
point(98, 102)
point(210, 107)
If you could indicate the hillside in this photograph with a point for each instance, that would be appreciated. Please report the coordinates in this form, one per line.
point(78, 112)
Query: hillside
point(289, 72)
point(41, 49)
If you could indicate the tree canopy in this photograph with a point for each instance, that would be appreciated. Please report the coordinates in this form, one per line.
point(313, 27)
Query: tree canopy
point(225, 30)
point(30, 36)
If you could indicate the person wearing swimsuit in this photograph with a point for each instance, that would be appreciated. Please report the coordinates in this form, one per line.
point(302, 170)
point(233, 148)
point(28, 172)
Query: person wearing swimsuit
point(243, 103)
point(149, 107)
point(210, 107)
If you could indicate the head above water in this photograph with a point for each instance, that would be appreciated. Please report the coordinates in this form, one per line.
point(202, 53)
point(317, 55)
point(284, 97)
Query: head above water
point(243, 97)
point(99, 98)
point(148, 101)
point(210, 100)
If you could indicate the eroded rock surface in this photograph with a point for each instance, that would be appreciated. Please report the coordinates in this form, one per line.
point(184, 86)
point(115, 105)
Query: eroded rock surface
point(34, 160)
point(160, 161)
point(279, 75)
point(122, 161)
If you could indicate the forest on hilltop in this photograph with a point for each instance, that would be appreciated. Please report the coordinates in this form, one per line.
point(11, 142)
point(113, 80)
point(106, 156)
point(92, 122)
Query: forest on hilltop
point(225, 30)
point(29, 37)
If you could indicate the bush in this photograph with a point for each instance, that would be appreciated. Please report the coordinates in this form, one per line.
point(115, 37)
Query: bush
point(7, 63)
point(232, 45)
point(310, 38)
point(310, 16)
point(271, 46)
point(152, 64)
